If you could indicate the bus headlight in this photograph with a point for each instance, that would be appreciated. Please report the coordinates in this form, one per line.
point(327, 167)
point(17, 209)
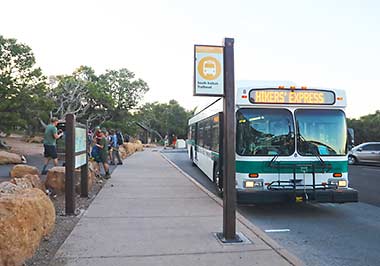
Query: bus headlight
point(249, 184)
point(252, 184)
point(342, 183)
point(338, 183)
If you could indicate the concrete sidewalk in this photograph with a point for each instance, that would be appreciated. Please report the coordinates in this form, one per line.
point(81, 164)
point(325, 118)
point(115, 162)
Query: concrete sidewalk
point(149, 213)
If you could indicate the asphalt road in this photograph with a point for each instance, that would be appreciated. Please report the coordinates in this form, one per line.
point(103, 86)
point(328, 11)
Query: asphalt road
point(366, 179)
point(319, 234)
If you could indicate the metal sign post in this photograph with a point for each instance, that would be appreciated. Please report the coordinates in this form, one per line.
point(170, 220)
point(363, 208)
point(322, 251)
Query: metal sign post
point(214, 75)
point(229, 163)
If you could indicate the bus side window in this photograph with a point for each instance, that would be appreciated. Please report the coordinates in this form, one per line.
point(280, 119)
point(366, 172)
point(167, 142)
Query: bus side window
point(200, 134)
point(215, 134)
point(207, 134)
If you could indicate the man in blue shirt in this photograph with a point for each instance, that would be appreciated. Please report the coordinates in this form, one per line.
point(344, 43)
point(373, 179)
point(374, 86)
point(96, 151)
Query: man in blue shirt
point(116, 142)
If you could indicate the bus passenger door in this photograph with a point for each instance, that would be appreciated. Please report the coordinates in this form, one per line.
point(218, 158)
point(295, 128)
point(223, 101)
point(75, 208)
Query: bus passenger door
point(196, 143)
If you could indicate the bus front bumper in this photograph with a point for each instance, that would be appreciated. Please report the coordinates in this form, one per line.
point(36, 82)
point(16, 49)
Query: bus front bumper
point(278, 196)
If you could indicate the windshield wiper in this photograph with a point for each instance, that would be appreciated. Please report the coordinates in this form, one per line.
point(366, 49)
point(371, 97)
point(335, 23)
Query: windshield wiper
point(273, 160)
point(311, 146)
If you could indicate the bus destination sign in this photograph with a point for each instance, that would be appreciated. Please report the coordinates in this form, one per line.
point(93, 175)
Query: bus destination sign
point(291, 96)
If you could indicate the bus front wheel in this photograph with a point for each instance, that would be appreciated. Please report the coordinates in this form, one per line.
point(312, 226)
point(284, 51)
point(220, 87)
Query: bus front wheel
point(218, 180)
point(192, 158)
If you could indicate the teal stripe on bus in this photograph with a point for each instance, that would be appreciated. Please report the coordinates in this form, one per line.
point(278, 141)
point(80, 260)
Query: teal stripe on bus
point(263, 167)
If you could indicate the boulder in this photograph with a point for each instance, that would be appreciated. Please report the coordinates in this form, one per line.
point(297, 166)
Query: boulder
point(55, 179)
point(123, 152)
point(139, 146)
point(10, 158)
point(150, 145)
point(34, 180)
point(8, 187)
point(22, 182)
point(26, 216)
point(4, 145)
point(129, 147)
point(91, 178)
point(35, 139)
point(21, 169)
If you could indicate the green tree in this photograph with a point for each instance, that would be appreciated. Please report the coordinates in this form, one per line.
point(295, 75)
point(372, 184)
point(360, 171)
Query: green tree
point(22, 87)
point(108, 97)
point(82, 94)
point(125, 90)
point(165, 118)
point(367, 128)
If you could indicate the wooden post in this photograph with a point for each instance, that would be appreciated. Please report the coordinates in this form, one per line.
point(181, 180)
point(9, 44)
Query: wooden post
point(84, 171)
point(70, 165)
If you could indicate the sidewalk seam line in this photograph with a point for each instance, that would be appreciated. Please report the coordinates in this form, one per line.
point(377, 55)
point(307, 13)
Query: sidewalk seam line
point(165, 255)
point(149, 217)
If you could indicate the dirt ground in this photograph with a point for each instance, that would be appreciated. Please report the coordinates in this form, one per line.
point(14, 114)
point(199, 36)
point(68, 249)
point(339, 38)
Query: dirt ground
point(63, 227)
point(64, 224)
point(21, 147)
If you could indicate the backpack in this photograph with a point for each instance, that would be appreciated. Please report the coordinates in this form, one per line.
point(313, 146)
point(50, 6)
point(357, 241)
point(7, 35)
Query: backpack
point(120, 139)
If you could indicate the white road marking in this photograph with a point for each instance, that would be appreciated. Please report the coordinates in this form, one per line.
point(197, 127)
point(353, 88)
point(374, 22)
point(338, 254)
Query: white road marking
point(277, 230)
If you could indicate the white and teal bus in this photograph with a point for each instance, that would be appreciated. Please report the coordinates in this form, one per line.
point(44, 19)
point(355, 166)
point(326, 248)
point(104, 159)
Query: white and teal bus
point(291, 144)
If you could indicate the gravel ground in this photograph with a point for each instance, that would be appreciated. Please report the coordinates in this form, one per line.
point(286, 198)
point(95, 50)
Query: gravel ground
point(63, 227)
point(64, 224)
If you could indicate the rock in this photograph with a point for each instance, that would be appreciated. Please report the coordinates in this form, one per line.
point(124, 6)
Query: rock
point(55, 179)
point(123, 152)
point(22, 182)
point(9, 158)
point(139, 146)
point(20, 170)
point(34, 180)
point(26, 217)
point(129, 147)
point(35, 139)
point(91, 178)
point(150, 145)
point(4, 145)
point(8, 187)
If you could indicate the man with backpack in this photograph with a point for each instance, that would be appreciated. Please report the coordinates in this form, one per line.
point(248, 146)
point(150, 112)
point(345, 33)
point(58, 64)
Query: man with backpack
point(117, 140)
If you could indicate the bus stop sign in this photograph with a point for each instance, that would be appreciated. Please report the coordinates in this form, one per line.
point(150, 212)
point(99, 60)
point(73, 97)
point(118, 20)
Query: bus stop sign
point(208, 70)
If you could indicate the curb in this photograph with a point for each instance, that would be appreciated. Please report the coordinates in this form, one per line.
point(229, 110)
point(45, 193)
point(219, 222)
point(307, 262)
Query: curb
point(292, 259)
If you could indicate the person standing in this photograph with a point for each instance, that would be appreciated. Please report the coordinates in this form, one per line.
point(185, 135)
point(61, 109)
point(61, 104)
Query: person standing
point(174, 140)
point(166, 141)
point(50, 144)
point(117, 140)
point(103, 154)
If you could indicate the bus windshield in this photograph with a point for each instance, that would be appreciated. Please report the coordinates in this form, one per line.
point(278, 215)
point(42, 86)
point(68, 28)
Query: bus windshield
point(321, 132)
point(264, 132)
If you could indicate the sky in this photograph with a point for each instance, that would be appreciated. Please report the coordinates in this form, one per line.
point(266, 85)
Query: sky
point(320, 43)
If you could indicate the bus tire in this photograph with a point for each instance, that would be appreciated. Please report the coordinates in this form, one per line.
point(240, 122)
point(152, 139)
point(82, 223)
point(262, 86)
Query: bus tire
point(214, 173)
point(218, 181)
point(192, 158)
